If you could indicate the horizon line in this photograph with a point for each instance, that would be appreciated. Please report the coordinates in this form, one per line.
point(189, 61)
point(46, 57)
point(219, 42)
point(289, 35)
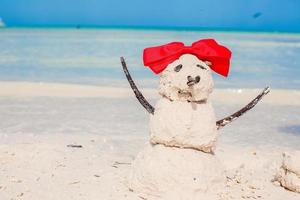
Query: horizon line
point(159, 28)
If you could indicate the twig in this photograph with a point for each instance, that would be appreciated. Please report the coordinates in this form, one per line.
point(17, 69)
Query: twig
point(223, 122)
point(136, 91)
point(116, 163)
point(121, 163)
point(74, 146)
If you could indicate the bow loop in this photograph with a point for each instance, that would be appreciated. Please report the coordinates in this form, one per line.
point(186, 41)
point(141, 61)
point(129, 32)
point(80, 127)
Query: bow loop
point(158, 58)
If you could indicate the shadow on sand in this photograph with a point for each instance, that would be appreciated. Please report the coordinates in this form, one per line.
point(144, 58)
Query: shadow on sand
point(293, 129)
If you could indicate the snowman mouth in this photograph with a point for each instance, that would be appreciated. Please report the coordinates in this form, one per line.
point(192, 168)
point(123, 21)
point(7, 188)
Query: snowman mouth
point(184, 93)
point(189, 97)
point(191, 83)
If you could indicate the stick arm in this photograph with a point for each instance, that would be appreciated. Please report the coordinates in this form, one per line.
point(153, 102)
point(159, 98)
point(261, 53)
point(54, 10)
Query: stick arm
point(223, 122)
point(140, 97)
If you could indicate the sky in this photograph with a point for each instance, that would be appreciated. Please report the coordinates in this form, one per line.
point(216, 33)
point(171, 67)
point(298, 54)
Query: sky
point(250, 15)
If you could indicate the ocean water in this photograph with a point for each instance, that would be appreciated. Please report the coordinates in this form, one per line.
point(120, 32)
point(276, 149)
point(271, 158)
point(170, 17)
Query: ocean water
point(91, 56)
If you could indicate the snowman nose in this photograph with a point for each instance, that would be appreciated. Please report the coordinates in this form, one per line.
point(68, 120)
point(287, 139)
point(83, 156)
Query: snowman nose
point(192, 81)
point(197, 79)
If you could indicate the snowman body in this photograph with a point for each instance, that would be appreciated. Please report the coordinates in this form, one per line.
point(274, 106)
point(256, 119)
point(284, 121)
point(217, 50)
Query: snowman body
point(184, 124)
point(161, 172)
point(179, 162)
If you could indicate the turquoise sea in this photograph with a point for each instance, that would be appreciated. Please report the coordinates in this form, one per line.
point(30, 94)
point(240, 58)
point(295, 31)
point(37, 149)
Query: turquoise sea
point(91, 56)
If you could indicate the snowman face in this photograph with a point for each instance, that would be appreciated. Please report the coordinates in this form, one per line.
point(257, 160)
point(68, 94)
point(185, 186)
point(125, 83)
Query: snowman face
point(186, 79)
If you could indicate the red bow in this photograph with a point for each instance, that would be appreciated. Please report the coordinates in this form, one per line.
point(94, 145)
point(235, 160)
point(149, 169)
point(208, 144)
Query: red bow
point(158, 58)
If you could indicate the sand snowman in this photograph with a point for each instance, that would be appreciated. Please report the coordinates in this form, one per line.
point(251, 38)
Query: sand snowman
point(179, 161)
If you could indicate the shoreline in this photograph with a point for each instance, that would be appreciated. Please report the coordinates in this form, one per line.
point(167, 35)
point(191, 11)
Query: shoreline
point(61, 90)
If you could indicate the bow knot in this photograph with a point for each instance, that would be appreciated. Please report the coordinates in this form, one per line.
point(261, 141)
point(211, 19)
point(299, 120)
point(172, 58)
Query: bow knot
point(158, 58)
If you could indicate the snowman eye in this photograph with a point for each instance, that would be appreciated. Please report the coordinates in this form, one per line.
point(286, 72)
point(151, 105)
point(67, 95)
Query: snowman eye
point(201, 67)
point(178, 68)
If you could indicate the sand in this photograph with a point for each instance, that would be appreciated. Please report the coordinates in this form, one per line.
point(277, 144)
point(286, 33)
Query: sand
point(39, 120)
point(289, 174)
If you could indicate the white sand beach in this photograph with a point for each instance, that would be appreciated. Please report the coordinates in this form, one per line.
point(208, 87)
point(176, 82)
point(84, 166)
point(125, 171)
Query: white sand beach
point(39, 120)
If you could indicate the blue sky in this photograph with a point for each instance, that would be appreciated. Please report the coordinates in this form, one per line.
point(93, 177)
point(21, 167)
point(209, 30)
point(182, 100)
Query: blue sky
point(263, 15)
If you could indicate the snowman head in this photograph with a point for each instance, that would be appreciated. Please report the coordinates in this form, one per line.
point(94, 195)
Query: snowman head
point(186, 79)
